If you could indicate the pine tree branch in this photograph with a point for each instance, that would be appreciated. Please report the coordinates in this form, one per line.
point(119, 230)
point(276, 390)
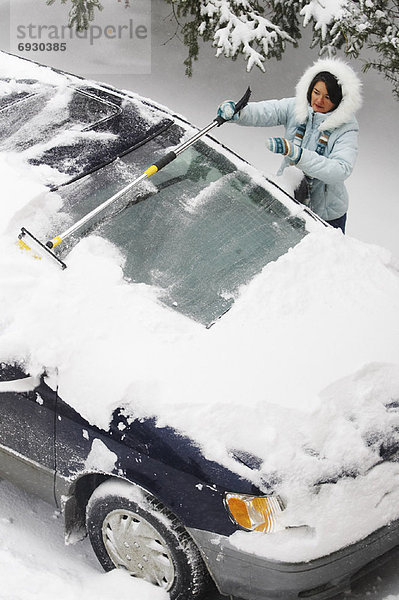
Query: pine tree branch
point(81, 12)
point(261, 29)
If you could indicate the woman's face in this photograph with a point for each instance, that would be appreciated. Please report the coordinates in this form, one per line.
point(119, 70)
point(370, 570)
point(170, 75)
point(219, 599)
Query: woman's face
point(320, 100)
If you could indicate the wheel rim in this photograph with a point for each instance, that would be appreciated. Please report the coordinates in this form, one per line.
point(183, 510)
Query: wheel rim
point(134, 544)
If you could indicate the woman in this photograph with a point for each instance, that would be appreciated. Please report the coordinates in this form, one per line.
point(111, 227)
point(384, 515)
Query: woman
point(321, 134)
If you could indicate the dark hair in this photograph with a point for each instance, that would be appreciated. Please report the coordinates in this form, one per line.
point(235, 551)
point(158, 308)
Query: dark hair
point(333, 88)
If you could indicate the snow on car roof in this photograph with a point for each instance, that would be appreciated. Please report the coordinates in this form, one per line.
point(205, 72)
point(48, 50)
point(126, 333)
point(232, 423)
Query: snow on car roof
point(299, 372)
point(72, 125)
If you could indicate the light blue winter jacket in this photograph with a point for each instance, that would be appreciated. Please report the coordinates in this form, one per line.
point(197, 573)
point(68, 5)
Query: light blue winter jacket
point(329, 198)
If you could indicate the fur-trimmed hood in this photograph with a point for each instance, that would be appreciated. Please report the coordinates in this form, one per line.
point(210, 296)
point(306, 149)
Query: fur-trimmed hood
point(351, 92)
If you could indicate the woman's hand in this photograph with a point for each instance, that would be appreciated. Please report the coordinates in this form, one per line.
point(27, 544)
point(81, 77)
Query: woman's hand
point(226, 111)
point(283, 146)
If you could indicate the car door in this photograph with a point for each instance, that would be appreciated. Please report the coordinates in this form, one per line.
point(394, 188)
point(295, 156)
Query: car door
point(27, 423)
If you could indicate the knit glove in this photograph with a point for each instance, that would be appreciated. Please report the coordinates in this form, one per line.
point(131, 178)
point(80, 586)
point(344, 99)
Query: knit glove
point(226, 111)
point(281, 145)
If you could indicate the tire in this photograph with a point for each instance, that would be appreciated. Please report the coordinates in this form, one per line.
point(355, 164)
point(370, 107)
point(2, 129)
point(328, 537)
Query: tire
point(130, 529)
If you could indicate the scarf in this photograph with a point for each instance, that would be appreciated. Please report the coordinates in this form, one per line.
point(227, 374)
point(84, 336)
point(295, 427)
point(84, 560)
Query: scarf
point(304, 190)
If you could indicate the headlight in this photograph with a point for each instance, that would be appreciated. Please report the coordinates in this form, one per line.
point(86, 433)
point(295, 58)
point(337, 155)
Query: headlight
point(255, 513)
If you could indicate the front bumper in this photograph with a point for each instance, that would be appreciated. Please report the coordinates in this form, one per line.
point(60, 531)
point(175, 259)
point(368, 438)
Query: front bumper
point(251, 577)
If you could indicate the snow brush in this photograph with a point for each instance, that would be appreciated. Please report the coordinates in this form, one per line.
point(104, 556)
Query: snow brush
point(27, 241)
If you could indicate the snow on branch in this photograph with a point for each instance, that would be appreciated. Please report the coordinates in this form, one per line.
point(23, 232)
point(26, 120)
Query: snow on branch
point(374, 23)
point(238, 27)
point(323, 13)
point(257, 29)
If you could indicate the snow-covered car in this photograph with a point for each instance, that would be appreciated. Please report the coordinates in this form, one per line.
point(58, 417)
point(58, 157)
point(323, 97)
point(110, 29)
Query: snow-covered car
point(210, 388)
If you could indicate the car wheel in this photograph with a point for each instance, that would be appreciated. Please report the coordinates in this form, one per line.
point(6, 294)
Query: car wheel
point(130, 529)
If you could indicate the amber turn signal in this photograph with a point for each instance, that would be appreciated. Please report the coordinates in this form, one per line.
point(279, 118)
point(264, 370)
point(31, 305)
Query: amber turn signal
point(255, 513)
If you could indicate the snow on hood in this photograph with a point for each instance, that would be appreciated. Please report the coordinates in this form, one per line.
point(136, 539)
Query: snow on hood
point(351, 92)
point(321, 312)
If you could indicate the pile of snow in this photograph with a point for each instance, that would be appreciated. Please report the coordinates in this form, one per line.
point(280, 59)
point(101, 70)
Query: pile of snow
point(298, 372)
point(347, 430)
point(35, 562)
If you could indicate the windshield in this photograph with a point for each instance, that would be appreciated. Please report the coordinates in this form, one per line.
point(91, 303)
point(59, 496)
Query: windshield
point(198, 230)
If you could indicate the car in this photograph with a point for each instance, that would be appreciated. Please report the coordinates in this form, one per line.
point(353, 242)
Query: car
point(95, 422)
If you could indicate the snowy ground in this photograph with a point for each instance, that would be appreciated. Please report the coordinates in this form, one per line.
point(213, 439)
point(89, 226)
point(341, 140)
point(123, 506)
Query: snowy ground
point(34, 563)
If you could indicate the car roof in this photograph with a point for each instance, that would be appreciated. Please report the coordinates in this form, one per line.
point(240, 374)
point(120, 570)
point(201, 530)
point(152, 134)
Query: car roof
point(70, 124)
